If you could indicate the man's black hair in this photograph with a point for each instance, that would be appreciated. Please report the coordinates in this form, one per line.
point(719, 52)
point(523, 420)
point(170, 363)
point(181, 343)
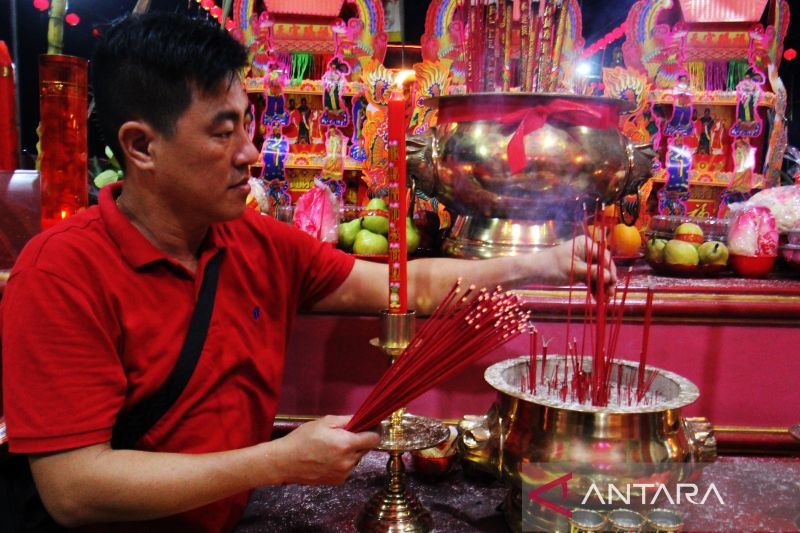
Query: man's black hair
point(147, 67)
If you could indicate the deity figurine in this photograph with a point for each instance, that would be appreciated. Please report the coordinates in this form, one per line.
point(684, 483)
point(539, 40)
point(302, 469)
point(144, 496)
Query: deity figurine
point(748, 95)
point(303, 116)
point(681, 121)
point(718, 137)
point(334, 82)
point(673, 197)
point(705, 125)
point(315, 128)
point(290, 130)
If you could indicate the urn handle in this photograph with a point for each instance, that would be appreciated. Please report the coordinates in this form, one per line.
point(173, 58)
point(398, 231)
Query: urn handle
point(474, 432)
point(477, 446)
point(700, 435)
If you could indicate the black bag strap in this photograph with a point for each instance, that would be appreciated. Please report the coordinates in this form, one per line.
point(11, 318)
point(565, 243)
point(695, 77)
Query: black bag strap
point(131, 426)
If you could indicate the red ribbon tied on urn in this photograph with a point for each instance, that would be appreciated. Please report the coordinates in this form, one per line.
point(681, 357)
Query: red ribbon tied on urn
point(574, 112)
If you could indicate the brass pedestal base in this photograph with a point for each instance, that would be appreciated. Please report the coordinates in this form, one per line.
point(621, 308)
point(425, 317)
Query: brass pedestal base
point(394, 509)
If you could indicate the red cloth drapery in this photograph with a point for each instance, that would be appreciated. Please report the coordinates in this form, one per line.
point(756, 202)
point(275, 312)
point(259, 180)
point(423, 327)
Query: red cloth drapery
point(8, 127)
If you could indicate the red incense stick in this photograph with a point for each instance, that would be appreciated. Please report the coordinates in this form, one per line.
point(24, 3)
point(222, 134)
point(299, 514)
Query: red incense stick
point(648, 317)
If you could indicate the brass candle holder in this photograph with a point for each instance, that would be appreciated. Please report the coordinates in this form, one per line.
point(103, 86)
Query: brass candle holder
point(394, 508)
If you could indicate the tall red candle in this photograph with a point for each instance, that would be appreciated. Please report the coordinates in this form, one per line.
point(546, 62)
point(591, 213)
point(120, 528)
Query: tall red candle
point(63, 161)
point(398, 209)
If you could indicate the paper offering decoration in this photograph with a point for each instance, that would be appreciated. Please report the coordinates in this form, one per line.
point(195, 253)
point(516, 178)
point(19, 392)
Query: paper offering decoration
point(334, 82)
point(740, 187)
point(748, 95)
point(432, 80)
point(250, 122)
point(274, 82)
point(375, 132)
point(335, 144)
point(278, 194)
point(273, 154)
point(357, 151)
point(681, 121)
point(673, 197)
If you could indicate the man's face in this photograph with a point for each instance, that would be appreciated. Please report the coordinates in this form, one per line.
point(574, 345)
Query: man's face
point(202, 169)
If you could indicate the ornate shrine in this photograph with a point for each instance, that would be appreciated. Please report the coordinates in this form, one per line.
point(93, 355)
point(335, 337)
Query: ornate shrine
point(704, 77)
point(308, 100)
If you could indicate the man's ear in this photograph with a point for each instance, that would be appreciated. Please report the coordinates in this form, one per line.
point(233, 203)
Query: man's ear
point(135, 138)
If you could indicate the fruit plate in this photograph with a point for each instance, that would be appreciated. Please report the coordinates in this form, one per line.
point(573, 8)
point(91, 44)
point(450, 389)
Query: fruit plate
point(664, 226)
point(689, 271)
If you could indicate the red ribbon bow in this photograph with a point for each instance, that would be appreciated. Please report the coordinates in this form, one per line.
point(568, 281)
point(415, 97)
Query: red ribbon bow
point(573, 112)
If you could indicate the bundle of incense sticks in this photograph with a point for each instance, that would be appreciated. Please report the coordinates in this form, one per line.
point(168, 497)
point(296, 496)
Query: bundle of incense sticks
point(464, 327)
point(494, 60)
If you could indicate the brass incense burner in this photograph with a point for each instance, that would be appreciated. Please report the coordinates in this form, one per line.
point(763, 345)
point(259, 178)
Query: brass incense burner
point(626, 445)
point(519, 183)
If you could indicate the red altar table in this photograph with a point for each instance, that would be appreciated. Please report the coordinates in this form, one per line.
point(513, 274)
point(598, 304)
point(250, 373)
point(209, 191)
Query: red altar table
point(737, 340)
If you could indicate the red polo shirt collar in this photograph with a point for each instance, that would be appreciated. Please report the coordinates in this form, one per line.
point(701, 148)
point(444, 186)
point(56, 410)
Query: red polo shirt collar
point(133, 246)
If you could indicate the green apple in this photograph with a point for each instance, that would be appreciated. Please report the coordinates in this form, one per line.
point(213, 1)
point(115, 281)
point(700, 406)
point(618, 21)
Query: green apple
point(347, 233)
point(691, 233)
point(412, 236)
point(376, 223)
point(369, 243)
point(655, 250)
point(681, 253)
point(713, 253)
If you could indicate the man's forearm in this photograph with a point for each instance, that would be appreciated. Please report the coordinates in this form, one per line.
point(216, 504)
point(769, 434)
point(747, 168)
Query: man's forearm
point(98, 484)
point(431, 279)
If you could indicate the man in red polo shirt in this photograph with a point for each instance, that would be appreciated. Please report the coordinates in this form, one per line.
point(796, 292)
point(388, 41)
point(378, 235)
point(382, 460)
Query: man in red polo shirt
point(96, 309)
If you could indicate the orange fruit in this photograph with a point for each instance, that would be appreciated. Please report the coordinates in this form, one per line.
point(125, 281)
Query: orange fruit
point(625, 240)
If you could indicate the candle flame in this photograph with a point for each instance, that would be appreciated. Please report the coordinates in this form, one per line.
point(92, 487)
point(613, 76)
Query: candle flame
point(402, 76)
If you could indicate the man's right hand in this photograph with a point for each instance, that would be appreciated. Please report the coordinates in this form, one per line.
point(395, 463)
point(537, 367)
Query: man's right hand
point(321, 452)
